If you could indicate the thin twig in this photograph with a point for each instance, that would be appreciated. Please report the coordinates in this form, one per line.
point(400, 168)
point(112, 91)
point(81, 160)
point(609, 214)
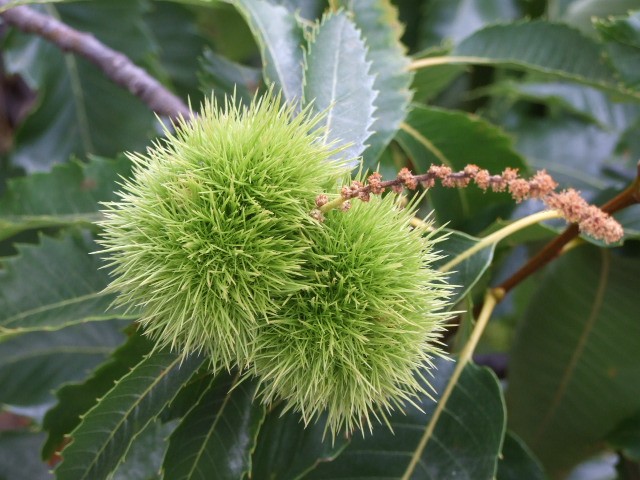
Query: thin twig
point(115, 65)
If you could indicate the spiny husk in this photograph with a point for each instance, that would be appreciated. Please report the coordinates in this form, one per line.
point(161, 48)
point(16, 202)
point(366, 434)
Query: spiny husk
point(205, 239)
point(356, 343)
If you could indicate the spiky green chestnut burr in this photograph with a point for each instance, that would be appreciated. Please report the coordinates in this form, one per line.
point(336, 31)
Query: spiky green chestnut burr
point(205, 238)
point(354, 345)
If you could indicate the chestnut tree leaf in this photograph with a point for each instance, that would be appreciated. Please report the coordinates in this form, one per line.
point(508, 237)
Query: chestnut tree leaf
point(280, 38)
point(575, 357)
point(381, 30)
point(465, 443)
point(101, 441)
point(216, 437)
point(68, 195)
point(53, 285)
point(338, 82)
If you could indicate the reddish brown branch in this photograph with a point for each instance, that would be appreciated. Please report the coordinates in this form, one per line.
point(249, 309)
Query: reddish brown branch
point(116, 66)
point(624, 199)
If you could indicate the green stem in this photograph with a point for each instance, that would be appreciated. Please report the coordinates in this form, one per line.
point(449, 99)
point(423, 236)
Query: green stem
point(501, 234)
point(335, 203)
point(491, 300)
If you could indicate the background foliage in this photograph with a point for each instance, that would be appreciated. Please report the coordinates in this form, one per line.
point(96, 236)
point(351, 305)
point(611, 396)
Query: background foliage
point(526, 84)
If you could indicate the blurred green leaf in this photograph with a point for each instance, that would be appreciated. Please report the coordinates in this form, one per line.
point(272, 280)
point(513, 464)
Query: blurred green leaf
point(34, 364)
point(101, 441)
point(283, 433)
point(453, 20)
point(429, 82)
point(544, 47)
point(436, 136)
point(216, 438)
point(626, 437)
point(573, 151)
point(19, 456)
point(338, 80)
point(178, 45)
point(517, 462)
point(622, 37)
point(381, 31)
point(222, 78)
point(587, 102)
point(68, 195)
point(465, 443)
point(581, 13)
point(80, 111)
point(53, 285)
point(575, 358)
point(280, 38)
point(76, 399)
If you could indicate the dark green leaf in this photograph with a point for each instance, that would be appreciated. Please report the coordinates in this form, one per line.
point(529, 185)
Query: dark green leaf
point(587, 102)
point(575, 357)
point(437, 136)
point(544, 47)
point(80, 111)
point(32, 365)
point(106, 432)
point(178, 44)
point(284, 433)
point(280, 38)
point(338, 81)
point(68, 195)
point(465, 443)
point(429, 82)
point(626, 437)
point(517, 462)
point(144, 459)
point(76, 399)
point(216, 438)
point(622, 36)
point(583, 14)
point(453, 20)
point(466, 274)
point(223, 78)
point(380, 28)
point(19, 458)
point(573, 151)
point(53, 285)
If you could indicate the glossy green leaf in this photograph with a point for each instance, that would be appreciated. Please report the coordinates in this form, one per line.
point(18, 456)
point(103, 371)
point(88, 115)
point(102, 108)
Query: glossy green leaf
point(467, 273)
point(144, 458)
point(453, 20)
point(68, 195)
point(544, 47)
point(283, 433)
point(381, 31)
point(280, 38)
point(53, 285)
point(101, 441)
point(76, 399)
point(19, 456)
point(517, 462)
point(575, 357)
point(445, 137)
point(80, 111)
point(337, 80)
point(216, 438)
point(465, 443)
point(32, 365)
